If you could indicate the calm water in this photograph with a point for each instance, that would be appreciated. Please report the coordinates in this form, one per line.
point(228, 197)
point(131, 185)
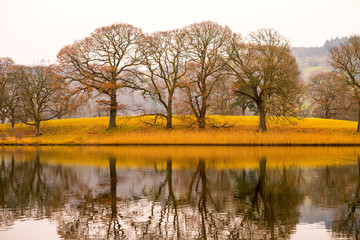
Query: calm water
point(179, 193)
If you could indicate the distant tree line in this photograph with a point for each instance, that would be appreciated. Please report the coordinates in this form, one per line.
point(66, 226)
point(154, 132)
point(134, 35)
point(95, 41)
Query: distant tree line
point(335, 42)
point(201, 69)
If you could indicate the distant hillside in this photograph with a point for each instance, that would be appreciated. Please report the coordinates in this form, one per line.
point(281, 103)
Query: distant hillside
point(312, 60)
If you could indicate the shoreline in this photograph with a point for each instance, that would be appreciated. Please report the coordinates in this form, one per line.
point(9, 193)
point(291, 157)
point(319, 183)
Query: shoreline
point(187, 144)
point(307, 132)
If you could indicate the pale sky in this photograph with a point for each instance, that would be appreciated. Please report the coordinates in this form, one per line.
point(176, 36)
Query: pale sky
point(31, 30)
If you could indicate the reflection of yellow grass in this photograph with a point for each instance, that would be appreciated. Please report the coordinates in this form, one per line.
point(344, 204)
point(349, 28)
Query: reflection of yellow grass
point(188, 156)
point(134, 131)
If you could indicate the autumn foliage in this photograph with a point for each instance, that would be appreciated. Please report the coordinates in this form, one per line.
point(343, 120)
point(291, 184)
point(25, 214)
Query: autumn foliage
point(103, 62)
point(201, 69)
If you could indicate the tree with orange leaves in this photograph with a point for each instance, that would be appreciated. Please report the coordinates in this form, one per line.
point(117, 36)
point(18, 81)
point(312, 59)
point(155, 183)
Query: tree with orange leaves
point(103, 62)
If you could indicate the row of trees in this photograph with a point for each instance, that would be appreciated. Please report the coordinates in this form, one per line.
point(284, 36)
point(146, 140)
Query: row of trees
point(187, 64)
point(201, 68)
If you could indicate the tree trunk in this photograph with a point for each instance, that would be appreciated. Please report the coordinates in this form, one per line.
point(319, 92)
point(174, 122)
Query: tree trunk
point(202, 110)
point(113, 111)
point(262, 112)
point(358, 126)
point(37, 127)
point(201, 122)
point(299, 111)
point(243, 109)
point(327, 111)
point(169, 116)
point(169, 121)
point(359, 169)
point(12, 115)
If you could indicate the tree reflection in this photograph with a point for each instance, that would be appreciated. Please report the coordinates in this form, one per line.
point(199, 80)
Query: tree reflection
point(114, 230)
point(347, 222)
point(116, 201)
point(168, 215)
point(171, 203)
point(270, 209)
point(200, 205)
point(30, 189)
point(96, 214)
point(199, 185)
point(114, 224)
point(193, 213)
point(210, 190)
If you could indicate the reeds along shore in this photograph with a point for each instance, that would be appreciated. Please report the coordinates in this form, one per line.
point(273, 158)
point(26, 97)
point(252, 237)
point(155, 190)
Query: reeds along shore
point(223, 130)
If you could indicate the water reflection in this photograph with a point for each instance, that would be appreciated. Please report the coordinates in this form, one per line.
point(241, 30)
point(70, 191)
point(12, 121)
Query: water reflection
point(181, 193)
point(347, 219)
point(268, 200)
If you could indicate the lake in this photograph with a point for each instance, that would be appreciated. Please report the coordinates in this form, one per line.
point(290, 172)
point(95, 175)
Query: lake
point(153, 192)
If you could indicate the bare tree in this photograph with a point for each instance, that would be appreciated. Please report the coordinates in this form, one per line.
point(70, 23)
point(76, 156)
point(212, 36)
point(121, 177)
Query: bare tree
point(266, 72)
point(8, 93)
point(42, 95)
point(301, 98)
point(345, 59)
point(103, 62)
point(206, 43)
point(165, 65)
point(327, 90)
point(221, 98)
point(11, 109)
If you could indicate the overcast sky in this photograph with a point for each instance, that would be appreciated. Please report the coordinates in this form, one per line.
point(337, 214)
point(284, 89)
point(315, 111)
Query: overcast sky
point(31, 30)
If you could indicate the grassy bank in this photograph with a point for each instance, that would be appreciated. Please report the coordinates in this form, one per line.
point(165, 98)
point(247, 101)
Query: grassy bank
point(136, 130)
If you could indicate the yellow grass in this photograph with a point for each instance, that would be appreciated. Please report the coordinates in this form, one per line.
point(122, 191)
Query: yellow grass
point(133, 130)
